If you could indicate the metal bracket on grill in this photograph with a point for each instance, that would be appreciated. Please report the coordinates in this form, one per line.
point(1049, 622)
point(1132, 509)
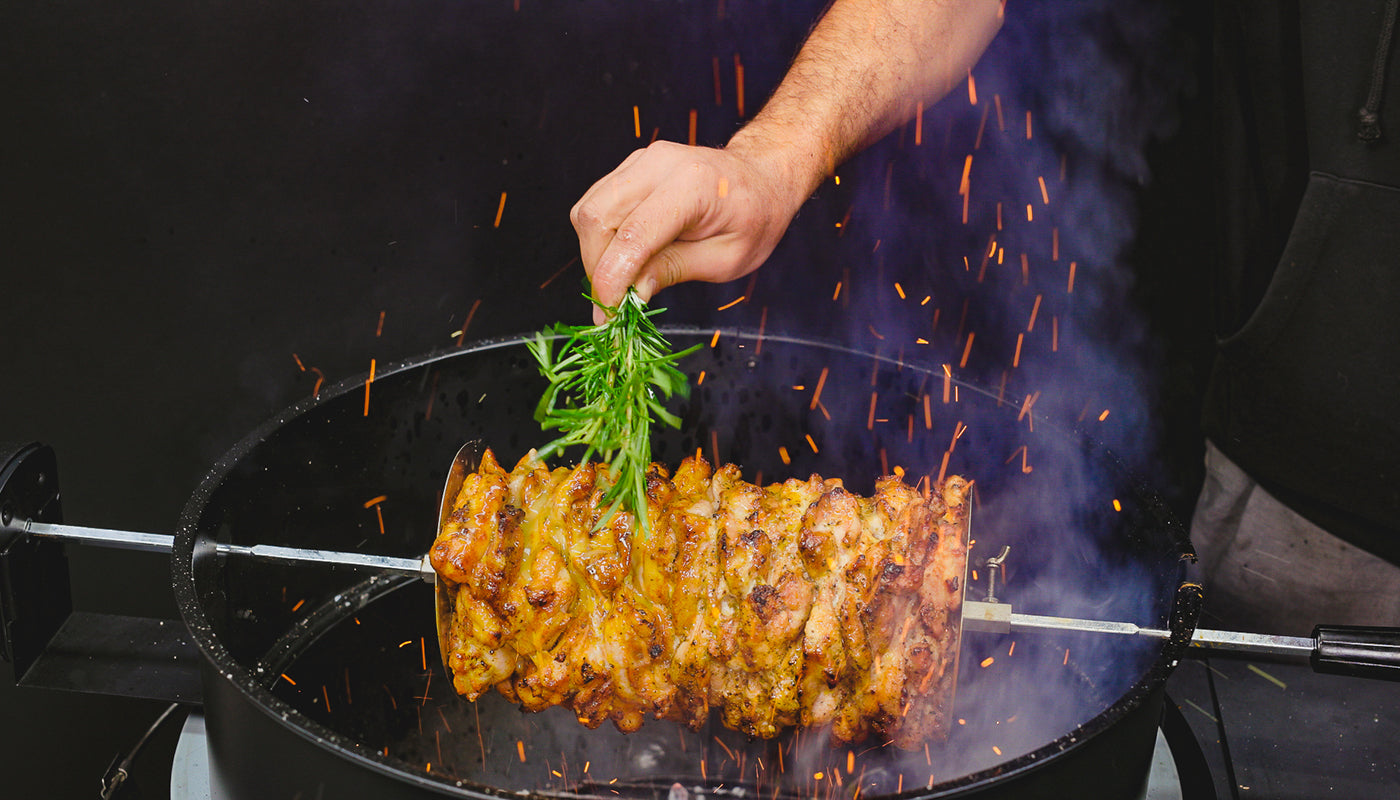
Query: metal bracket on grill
point(35, 596)
point(48, 644)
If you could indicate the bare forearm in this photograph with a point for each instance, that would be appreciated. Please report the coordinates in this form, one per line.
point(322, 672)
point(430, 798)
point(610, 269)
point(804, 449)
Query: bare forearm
point(863, 71)
point(671, 213)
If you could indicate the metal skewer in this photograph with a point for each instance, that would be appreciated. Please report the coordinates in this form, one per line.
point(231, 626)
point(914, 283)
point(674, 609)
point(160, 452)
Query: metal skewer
point(162, 543)
point(1365, 651)
point(999, 618)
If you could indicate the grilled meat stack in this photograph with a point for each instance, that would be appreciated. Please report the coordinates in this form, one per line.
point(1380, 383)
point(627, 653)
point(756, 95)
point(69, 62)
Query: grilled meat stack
point(798, 603)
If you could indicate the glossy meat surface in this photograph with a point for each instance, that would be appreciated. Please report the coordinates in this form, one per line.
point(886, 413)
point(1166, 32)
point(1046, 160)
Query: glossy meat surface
point(798, 603)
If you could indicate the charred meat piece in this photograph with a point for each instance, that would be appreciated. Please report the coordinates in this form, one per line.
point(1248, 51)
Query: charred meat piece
point(798, 603)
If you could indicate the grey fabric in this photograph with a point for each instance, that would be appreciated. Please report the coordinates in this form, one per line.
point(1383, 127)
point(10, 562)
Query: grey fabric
point(1266, 569)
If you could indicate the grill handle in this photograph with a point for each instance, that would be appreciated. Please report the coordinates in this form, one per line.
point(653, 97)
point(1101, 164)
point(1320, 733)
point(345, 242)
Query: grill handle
point(1359, 651)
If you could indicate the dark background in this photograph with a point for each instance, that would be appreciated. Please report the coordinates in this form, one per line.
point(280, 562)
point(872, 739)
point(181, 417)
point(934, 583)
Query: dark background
point(198, 195)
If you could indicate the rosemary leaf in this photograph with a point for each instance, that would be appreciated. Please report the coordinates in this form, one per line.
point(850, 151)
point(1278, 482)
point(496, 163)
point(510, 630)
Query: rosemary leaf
point(607, 384)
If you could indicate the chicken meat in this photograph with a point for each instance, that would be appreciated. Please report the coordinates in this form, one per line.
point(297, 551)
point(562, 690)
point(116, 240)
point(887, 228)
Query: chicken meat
point(794, 604)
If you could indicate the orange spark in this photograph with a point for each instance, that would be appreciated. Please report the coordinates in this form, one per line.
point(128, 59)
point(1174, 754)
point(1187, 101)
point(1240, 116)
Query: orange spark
point(379, 329)
point(739, 83)
point(520, 749)
point(288, 680)
point(1104, 415)
point(1035, 309)
point(1044, 193)
point(736, 301)
point(637, 122)
point(299, 364)
point(971, 89)
point(701, 378)
point(1027, 404)
point(870, 419)
point(368, 381)
point(500, 209)
point(1054, 334)
point(1028, 124)
point(1070, 289)
point(967, 348)
point(919, 123)
point(1054, 244)
point(928, 417)
point(1001, 123)
point(783, 454)
point(987, 662)
point(900, 290)
point(691, 139)
point(557, 273)
point(811, 443)
point(836, 293)
point(1016, 359)
point(462, 334)
point(714, 340)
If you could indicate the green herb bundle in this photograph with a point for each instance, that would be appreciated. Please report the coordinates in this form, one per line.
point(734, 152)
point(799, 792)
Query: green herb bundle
point(606, 384)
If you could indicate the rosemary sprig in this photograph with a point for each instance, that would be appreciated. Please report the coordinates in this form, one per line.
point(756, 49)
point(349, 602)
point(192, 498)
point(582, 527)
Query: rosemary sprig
point(606, 384)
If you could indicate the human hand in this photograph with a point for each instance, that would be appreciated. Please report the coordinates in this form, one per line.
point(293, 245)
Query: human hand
point(672, 213)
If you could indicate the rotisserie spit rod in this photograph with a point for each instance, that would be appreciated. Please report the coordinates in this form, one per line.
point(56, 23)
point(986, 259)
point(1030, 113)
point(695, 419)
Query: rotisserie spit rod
point(1372, 652)
point(162, 543)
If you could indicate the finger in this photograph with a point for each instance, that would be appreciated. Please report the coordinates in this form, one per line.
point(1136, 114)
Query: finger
point(655, 223)
point(716, 260)
point(597, 215)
